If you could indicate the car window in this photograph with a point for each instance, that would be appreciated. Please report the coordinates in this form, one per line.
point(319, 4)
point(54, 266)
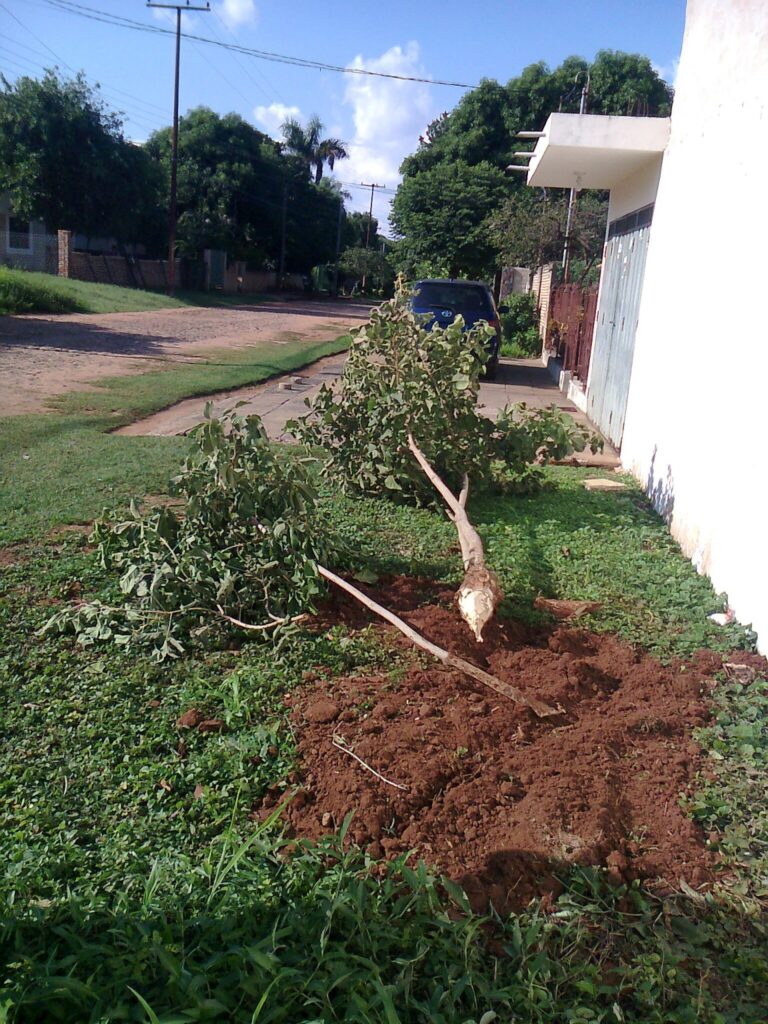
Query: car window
point(457, 296)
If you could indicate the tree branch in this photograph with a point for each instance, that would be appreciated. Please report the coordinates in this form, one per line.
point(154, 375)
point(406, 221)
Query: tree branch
point(464, 491)
point(451, 660)
point(444, 491)
point(479, 593)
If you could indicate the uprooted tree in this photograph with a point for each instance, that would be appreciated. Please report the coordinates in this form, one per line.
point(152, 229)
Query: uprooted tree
point(240, 548)
point(244, 545)
point(404, 423)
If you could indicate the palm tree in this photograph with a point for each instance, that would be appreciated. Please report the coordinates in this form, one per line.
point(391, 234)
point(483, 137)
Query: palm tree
point(307, 143)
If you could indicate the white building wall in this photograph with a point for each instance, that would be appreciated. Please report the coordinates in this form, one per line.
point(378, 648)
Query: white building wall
point(636, 191)
point(697, 420)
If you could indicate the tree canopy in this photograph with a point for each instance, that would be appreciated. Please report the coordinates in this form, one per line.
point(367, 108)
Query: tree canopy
point(454, 181)
point(64, 159)
point(529, 227)
point(441, 215)
point(232, 183)
point(308, 144)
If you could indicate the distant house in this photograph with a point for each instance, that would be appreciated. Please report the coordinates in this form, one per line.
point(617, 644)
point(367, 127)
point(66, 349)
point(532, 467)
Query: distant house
point(25, 243)
point(676, 377)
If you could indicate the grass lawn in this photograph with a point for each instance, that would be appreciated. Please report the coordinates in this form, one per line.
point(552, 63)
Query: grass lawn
point(65, 467)
point(137, 888)
point(22, 291)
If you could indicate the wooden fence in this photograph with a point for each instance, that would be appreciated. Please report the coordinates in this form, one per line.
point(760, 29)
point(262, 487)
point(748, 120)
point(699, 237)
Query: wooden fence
point(131, 272)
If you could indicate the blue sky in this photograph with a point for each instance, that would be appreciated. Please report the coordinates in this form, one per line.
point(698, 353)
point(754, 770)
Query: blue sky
point(380, 119)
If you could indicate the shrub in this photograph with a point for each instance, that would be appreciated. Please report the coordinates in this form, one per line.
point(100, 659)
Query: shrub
point(520, 326)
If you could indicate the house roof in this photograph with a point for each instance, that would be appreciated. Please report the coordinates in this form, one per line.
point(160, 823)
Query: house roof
point(595, 150)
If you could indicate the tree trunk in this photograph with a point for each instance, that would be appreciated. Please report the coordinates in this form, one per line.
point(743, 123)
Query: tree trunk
point(479, 593)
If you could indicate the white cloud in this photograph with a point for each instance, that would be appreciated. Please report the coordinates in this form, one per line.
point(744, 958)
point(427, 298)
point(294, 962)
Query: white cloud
point(388, 117)
point(274, 115)
point(235, 13)
point(667, 71)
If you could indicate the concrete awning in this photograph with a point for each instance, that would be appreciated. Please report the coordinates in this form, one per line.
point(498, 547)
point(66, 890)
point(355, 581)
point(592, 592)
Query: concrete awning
point(594, 150)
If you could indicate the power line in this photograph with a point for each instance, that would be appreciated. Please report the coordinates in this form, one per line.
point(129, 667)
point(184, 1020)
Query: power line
point(26, 66)
point(60, 59)
point(94, 14)
point(243, 66)
point(34, 36)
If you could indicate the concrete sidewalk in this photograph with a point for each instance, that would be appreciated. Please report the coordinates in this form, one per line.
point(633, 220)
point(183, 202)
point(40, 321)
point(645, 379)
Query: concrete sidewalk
point(276, 401)
point(283, 399)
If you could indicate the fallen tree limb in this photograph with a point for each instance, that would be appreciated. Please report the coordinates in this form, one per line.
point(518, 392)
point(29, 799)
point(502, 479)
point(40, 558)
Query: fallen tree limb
point(260, 627)
point(479, 593)
point(451, 660)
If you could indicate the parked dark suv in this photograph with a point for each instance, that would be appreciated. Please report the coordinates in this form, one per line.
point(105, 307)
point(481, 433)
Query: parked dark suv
point(446, 299)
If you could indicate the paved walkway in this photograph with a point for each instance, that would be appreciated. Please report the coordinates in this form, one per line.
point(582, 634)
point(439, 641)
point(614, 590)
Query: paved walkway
point(283, 399)
point(275, 401)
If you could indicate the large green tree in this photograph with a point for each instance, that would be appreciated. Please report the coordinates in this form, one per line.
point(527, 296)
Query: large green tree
point(235, 185)
point(64, 159)
point(230, 180)
point(441, 215)
point(439, 209)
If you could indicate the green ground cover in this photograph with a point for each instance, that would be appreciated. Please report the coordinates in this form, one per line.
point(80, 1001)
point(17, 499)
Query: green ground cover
point(136, 887)
point(23, 291)
point(64, 467)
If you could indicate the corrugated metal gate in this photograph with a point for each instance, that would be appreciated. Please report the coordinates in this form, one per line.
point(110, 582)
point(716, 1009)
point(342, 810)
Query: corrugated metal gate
point(614, 345)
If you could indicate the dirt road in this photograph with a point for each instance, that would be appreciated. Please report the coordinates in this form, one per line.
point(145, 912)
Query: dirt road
point(45, 356)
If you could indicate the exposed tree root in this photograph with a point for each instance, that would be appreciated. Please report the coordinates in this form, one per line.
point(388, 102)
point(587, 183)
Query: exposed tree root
point(451, 660)
point(479, 593)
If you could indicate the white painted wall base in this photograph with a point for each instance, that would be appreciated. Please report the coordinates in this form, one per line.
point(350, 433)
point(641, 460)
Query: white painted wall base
point(577, 394)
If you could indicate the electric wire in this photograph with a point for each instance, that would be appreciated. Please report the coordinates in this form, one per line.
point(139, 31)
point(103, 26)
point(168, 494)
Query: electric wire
point(26, 65)
point(94, 14)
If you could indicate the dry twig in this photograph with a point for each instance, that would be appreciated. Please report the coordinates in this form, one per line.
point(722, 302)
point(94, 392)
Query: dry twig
point(346, 750)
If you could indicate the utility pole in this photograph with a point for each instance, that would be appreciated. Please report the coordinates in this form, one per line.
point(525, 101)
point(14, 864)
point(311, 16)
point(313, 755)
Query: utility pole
point(338, 249)
point(187, 6)
point(283, 233)
point(572, 195)
point(368, 231)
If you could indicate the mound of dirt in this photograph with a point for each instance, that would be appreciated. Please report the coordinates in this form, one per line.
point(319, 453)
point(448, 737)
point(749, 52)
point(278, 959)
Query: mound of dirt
point(490, 795)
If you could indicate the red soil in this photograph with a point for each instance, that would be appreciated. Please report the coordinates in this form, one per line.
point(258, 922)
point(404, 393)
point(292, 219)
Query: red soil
point(495, 798)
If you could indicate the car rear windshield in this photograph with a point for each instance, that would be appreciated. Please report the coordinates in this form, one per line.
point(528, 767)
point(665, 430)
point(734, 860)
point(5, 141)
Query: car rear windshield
point(449, 295)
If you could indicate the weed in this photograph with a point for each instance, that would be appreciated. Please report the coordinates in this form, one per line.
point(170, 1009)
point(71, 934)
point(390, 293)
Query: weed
point(730, 800)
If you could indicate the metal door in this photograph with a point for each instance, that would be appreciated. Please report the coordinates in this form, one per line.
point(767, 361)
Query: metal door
point(217, 266)
point(614, 345)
